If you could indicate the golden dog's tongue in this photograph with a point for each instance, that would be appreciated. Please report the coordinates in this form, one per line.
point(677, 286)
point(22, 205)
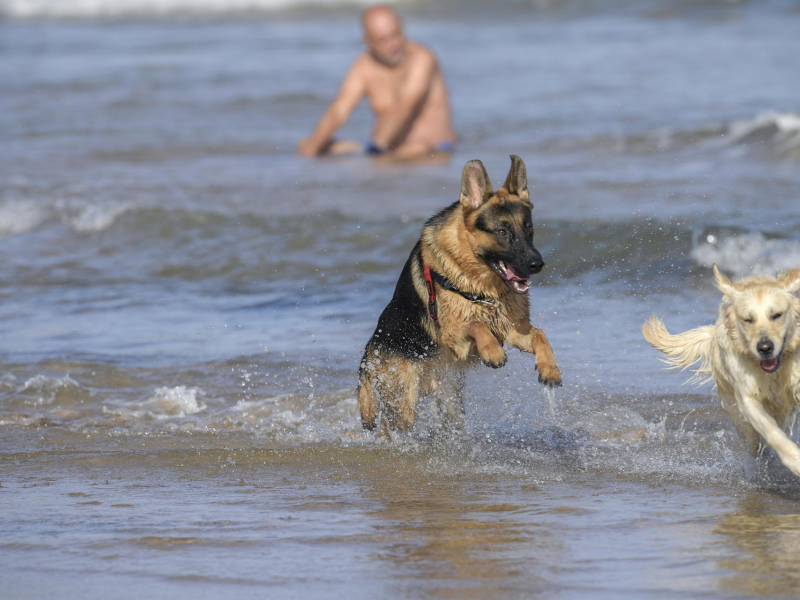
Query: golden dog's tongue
point(769, 365)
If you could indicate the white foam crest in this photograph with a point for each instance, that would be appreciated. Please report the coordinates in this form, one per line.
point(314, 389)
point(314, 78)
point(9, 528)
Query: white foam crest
point(290, 417)
point(46, 388)
point(86, 217)
point(26, 9)
point(748, 254)
point(177, 401)
point(7, 380)
point(783, 128)
point(20, 216)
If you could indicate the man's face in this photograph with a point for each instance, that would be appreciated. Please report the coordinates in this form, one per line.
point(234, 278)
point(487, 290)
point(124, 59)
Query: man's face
point(385, 40)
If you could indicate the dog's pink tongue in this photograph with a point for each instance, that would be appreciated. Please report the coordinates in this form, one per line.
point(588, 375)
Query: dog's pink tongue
point(769, 365)
point(513, 275)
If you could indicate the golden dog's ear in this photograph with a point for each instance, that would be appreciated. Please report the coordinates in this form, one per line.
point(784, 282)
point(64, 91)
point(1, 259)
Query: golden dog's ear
point(517, 180)
point(790, 280)
point(724, 284)
point(475, 185)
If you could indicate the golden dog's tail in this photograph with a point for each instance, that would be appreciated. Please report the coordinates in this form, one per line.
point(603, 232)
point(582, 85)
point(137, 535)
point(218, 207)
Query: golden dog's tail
point(683, 350)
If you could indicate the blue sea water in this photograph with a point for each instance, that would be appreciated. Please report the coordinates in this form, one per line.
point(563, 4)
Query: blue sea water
point(183, 303)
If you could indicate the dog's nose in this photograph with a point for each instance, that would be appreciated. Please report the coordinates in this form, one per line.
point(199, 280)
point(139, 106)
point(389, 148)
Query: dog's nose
point(537, 265)
point(765, 348)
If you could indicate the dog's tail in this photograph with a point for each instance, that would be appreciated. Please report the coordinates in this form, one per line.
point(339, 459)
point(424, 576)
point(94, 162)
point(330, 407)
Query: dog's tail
point(683, 350)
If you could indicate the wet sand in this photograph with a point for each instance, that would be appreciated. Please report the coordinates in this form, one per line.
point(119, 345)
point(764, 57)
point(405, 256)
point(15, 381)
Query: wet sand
point(430, 520)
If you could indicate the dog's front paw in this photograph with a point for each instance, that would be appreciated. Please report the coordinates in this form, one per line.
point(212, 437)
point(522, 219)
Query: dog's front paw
point(549, 375)
point(494, 357)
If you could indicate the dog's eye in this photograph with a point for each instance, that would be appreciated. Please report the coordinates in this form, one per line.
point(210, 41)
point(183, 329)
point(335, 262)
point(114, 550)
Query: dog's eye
point(502, 232)
point(777, 316)
point(748, 321)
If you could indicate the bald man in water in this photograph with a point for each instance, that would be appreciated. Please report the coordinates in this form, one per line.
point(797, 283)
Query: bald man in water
point(406, 91)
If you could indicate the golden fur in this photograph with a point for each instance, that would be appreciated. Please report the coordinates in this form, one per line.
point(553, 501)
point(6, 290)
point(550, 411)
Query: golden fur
point(753, 311)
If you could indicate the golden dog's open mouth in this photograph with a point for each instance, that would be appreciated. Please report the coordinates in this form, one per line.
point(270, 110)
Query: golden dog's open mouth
point(771, 364)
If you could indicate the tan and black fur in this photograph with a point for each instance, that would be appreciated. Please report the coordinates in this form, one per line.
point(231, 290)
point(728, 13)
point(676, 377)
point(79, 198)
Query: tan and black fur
point(483, 244)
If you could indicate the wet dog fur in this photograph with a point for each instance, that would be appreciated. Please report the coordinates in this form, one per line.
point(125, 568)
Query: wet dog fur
point(483, 244)
point(751, 354)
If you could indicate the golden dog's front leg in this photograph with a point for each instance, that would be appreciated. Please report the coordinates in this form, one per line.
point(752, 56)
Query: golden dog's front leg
point(533, 340)
point(771, 433)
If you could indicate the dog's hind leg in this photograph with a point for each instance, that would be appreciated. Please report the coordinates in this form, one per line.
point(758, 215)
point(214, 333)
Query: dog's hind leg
point(398, 385)
point(367, 398)
point(448, 393)
point(367, 403)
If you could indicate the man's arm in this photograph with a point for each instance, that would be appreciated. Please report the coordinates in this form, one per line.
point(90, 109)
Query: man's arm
point(350, 93)
point(413, 95)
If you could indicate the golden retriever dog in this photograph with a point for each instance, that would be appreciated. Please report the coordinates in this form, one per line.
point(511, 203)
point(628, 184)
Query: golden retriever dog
point(751, 354)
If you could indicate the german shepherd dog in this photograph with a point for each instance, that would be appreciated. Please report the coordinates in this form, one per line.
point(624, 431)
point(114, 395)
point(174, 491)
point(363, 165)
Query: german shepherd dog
point(461, 295)
point(751, 354)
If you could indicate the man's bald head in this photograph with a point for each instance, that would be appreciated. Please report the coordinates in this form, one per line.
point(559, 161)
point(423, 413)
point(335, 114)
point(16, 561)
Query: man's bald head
point(379, 17)
point(383, 34)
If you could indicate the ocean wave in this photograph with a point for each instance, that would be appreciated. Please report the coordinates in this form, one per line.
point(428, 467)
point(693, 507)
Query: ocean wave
point(258, 252)
point(676, 438)
point(101, 9)
point(647, 9)
point(19, 216)
point(774, 134)
point(177, 401)
point(43, 390)
point(747, 253)
point(779, 131)
point(84, 216)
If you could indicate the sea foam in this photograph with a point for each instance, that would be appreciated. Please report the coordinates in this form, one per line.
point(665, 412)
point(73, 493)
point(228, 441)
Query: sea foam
point(84, 216)
point(89, 9)
point(780, 130)
point(19, 216)
point(177, 401)
point(45, 390)
point(748, 253)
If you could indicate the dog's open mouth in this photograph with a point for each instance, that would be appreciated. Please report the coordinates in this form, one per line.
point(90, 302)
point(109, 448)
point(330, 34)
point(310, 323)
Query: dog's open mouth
point(770, 365)
point(511, 278)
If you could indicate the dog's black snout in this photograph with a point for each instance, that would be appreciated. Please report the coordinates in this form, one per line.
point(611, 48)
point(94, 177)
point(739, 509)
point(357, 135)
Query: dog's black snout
point(765, 347)
point(535, 261)
point(537, 265)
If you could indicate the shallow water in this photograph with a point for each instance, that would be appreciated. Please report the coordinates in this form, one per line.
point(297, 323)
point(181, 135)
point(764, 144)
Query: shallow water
point(184, 304)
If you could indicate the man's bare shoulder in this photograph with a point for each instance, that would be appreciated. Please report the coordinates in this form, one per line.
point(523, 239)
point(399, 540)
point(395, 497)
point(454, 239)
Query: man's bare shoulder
point(361, 64)
point(422, 54)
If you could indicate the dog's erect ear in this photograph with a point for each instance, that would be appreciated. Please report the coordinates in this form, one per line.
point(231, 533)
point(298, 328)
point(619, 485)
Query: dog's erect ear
point(790, 280)
point(724, 284)
point(517, 180)
point(475, 185)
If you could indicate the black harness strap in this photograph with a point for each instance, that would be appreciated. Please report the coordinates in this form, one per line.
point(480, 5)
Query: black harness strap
point(448, 285)
point(430, 277)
